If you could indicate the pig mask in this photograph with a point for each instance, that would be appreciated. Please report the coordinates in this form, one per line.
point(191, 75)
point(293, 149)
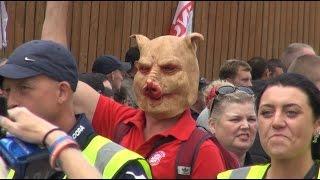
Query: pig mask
point(166, 83)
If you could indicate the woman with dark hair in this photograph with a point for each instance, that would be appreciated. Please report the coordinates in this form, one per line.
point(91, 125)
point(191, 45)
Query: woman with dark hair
point(289, 127)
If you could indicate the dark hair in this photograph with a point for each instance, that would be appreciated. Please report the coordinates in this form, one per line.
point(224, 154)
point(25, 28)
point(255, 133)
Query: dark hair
point(273, 63)
point(132, 55)
point(108, 92)
point(121, 96)
point(305, 85)
point(95, 80)
point(258, 66)
point(202, 84)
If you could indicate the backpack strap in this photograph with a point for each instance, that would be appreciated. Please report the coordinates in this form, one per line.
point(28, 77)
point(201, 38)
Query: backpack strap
point(188, 152)
point(230, 160)
point(189, 149)
point(120, 131)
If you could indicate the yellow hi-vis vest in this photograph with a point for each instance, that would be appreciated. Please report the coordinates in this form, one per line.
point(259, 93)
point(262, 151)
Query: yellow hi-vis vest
point(108, 157)
point(250, 172)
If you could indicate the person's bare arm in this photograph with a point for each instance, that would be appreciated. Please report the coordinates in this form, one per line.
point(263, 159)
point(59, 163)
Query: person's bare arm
point(55, 22)
point(55, 29)
point(31, 128)
point(85, 100)
point(72, 161)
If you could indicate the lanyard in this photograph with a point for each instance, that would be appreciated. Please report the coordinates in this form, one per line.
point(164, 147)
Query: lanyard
point(313, 172)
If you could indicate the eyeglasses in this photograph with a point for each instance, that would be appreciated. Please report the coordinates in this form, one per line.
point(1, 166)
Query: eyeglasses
point(224, 90)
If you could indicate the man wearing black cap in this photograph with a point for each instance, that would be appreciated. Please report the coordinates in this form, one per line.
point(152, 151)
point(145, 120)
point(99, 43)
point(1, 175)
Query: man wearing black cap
point(113, 68)
point(42, 76)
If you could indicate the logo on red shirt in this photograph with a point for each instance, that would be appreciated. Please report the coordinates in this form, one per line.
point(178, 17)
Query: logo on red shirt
point(155, 158)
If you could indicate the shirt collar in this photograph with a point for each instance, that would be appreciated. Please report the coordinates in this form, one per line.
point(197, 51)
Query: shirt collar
point(181, 130)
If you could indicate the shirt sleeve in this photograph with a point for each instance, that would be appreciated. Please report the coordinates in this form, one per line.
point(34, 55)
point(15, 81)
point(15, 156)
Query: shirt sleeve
point(209, 162)
point(108, 114)
point(133, 170)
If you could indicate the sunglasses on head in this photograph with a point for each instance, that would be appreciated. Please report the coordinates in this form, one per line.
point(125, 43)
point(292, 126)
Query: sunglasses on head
point(224, 90)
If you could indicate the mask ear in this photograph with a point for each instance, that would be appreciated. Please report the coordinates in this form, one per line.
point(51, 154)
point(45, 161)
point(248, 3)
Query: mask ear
point(192, 40)
point(141, 40)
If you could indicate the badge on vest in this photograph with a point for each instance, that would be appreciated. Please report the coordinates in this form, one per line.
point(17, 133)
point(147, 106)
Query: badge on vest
point(155, 158)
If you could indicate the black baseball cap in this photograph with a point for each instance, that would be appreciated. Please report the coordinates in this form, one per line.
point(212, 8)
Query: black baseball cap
point(39, 57)
point(106, 64)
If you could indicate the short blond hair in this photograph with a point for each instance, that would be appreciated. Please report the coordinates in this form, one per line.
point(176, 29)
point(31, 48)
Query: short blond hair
point(308, 66)
point(238, 97)
point(293, 51)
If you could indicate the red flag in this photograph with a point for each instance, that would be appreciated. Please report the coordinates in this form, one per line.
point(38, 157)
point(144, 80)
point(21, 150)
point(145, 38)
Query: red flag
point(182, 21)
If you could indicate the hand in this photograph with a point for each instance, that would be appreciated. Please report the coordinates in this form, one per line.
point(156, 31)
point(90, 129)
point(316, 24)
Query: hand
point(3, 169)
point(25, 125)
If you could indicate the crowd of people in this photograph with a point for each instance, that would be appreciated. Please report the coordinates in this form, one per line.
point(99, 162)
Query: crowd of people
point(153, 116)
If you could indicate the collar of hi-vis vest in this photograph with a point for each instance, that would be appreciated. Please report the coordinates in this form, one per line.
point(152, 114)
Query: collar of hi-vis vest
point(82, 131)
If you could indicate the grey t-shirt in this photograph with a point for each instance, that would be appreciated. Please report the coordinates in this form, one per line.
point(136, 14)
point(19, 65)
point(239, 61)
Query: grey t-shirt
point(127, 83)
point(203, 119)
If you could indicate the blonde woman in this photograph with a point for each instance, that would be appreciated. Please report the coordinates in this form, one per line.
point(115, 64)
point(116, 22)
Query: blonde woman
point(233, 120)
point(209, 93)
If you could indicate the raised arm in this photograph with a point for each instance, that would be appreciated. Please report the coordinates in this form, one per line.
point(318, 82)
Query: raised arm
point(85, 100)
point(55, 22)
point(55, 29)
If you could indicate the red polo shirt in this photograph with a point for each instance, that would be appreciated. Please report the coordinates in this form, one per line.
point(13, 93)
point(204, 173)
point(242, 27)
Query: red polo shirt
point(109, 113)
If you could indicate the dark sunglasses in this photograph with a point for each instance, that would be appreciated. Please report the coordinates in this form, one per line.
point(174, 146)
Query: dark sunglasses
point(223, 90)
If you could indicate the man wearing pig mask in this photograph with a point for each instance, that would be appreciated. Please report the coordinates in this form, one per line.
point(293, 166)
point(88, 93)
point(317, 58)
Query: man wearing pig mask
point(165, 85)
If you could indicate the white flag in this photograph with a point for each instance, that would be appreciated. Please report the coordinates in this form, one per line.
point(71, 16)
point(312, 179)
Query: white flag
point(182, 21)
point(3, 22)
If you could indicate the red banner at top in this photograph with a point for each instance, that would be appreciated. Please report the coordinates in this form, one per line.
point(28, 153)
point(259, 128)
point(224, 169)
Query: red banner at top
point(182, 21)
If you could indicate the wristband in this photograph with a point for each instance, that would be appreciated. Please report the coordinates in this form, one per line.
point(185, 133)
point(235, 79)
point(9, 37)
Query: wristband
point(47, 134)
point(58, 140)
point(57, 147)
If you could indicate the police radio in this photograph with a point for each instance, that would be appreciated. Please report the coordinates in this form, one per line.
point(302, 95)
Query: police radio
point(27, 160)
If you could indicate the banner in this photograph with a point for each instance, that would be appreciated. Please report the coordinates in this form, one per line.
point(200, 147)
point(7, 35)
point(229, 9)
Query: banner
point(3, 22)
point(182, 21)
